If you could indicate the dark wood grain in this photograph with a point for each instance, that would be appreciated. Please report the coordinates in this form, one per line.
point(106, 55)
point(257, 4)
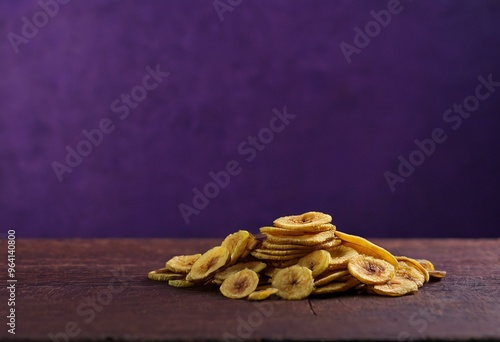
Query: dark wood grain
point(57, 278)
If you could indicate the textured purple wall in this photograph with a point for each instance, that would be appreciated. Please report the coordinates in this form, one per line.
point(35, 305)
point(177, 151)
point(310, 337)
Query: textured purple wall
point(355, 103)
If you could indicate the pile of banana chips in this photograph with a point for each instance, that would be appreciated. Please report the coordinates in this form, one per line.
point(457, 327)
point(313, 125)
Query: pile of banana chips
point(301, 255)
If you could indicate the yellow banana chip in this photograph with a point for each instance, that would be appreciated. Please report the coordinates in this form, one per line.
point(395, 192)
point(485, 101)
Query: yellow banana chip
point(340, 256)
point(305, 240)
point(370, 270)
point(415, 264)
point(262, 294)
point(182, 263)
point(330, 276)
point(336, 286)
point(294, 282)
point(255, 266)
point(437, 274)
point(397, 286)
point(366, 247)
point(240, 284)
point(307, 222)
point(164, 274)
point(316, 261)
point(181, 283)
point(236, 244)
point(208, 263)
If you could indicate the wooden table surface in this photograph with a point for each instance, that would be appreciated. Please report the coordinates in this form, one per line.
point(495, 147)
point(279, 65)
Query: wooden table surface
point(97, 289)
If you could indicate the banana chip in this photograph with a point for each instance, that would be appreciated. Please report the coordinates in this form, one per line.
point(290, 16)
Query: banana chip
point(304, 240)
point(164, 274)
point(437, 274)
point(236, 244)
point(340, 286)
point(255, 266)
point(397, 286)
point(208, 263)
point(181, 283)
point(364, 246)
point(262, 294)
point(182, 263)
point(309, 222)
point(410, 272)
point(370, 270)
point(316, 261)
point(294, 282)
point(240, 284)
point(340, 256)
point(330, 276)
point(415, 264)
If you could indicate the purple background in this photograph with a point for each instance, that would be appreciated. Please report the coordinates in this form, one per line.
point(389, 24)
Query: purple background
point(353, 119)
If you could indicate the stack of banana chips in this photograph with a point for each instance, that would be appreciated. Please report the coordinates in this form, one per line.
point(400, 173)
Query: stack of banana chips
point(299, 256)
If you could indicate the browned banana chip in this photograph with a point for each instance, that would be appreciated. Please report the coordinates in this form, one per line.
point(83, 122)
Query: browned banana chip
point(415, 264)
point(397, 286)
point(370, 270)
point(294, 282)
point(277, 231)
point(182, 263)
point(330, 276)
point(316, 261)
point(208, 263)
point(236, 244)
point(181, 283)
point(164, 274)
point(264, 256)
point(305, 240)
point(307, 222)
point(340, 256)
point(334, 287)
point(262, 294)
point(255, 266)
point(435, 274)
point(240, 284)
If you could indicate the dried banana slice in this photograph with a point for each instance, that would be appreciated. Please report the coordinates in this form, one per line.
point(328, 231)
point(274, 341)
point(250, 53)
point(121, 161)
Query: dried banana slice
point(277, 231)
point(323, 245)
point(265, 256)
point(316, 261)
point(294, 282)
point(181, 283)
point(309, 222)
point(236, 244)
point(340, 256)
point(208, 263)
point(330, 276)
point(397, 286)
point(415, 264)
point(255, 266)
point(364, 246)
point(305, 240)
point(370, 270)
point(252, 243)
point(410, 272)
point(281, 252)
point(164, 274)
point(240, 284)
point(429, 266)
point(340, 286)
point(262, 294)
point(435, 274)
point(182, 263)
